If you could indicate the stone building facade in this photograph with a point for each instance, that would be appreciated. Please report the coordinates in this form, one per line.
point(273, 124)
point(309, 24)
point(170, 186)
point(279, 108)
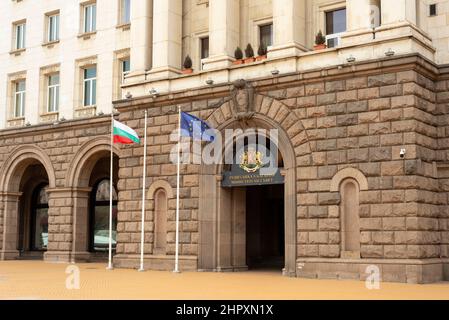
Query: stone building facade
point(363, 137)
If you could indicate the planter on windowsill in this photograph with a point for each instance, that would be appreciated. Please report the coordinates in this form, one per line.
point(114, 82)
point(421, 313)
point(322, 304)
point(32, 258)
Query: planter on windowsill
point(319, 47)
point(187, 71)
point(262, 57)
point(249, 60)
point(238, 61)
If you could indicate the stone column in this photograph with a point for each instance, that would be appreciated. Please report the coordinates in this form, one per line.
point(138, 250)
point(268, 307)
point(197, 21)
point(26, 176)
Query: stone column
point(10, 202)
point(290, 222)
point(60, 219)
point(141, 37)
point(362, 16)
point(224, 34)
point(289, 28)
point(80, 229)
point(239, 229)
point(167, 39)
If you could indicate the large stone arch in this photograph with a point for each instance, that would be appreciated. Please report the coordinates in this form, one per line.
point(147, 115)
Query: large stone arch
point(78, 182)
point(11, 175)
point(16, 164)
point(215, 250)
point(84, 160)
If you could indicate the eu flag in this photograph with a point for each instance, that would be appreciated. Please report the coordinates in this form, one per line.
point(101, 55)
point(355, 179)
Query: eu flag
point(196, 128)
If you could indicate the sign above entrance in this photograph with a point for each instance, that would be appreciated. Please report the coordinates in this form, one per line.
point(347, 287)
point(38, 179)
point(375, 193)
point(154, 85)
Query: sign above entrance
point(248, 173)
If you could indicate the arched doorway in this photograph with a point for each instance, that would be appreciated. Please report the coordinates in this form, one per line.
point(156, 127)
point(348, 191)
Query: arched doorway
point(33, 212)
point(25, 178)
point(39, 219)
point(89, 177)
point(237, 223)
point(99, 217)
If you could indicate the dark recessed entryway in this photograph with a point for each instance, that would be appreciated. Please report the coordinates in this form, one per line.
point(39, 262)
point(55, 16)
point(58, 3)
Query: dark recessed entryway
point(265, 236)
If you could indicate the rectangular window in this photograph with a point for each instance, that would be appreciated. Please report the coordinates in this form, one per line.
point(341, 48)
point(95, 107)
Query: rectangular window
point(19, 98)
point(53, 93)
point(335, 25)
point(20, 36)
point(90, 86)
point(53, 28)
point(125, 11)
point(126, 67)
point(433, 10)
point(204, 47)
point(90, 18)
point(266, 35)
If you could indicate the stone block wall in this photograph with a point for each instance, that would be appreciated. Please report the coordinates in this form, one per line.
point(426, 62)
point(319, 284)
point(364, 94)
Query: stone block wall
point(357, 117)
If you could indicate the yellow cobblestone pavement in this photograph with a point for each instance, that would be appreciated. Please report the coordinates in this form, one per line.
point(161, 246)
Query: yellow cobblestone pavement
point(39, 280)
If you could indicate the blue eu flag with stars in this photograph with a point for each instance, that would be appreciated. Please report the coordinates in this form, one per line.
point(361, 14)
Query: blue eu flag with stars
point(195, 128)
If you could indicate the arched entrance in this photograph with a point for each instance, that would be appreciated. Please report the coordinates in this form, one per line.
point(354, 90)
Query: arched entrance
point(24, 181)
point(89, 179)
point(253, 225)
point(99, 217)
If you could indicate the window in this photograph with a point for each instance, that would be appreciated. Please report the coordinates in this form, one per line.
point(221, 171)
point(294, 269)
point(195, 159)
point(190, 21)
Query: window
point(125, 11)
point(433, 10)
point(126, 67)
point(20, 30)
point(204, 47)
point(99, 221)
point(39, 219)
point(335, 25)
point(53, 28)
point(19, 99)
point(266, 35)
point(53, 93)
point(90, 17)
point(90, 86)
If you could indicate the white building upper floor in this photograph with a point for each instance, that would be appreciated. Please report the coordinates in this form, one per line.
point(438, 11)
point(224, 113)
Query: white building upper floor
point(71, 59)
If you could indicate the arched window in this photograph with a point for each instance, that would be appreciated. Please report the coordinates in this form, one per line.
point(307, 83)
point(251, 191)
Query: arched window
point(99, 218)
point(39, 219)
point(350, 223)
point(160, 219)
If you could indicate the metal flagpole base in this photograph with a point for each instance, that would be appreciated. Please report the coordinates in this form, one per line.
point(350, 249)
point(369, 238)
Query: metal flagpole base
point(176, 271)
point(110, 268)
point(141, 270)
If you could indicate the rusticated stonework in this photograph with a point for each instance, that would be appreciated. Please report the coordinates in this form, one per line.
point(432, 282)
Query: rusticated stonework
point(341, 135)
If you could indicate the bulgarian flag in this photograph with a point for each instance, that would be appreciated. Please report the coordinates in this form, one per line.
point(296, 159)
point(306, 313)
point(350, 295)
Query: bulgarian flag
point(124, 134)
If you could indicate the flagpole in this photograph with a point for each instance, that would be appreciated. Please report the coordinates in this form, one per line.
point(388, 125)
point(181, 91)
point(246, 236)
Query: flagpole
point(177, 193)
point(142, 235)
point(110, 193)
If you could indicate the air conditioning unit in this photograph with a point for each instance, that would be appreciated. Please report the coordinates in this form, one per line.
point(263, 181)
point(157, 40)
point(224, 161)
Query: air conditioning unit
point(333, 40)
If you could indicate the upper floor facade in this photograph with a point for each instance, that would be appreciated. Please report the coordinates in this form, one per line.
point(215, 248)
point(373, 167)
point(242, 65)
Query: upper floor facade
point(71, 59)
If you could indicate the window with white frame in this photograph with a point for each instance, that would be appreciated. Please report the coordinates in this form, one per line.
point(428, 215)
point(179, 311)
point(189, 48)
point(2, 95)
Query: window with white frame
point(90, 17)
point(53, 93)
point(53, 27)
point(335, 26)
point(90, 86)
point(125, 67)
point(125, 11)
point(20, 32)
point(19, 98)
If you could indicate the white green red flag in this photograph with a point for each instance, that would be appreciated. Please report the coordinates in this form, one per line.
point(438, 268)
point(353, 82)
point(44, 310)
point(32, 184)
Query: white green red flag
point(124, 134)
